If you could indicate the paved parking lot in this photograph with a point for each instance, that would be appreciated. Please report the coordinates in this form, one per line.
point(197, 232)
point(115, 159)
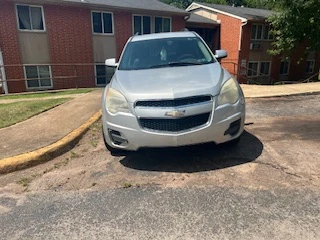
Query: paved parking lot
point(276, 164)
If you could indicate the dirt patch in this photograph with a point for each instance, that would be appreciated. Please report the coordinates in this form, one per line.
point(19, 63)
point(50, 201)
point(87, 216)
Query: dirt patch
point(89, 166)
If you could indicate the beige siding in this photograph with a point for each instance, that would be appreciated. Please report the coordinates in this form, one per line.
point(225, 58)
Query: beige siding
point(206, 13)
point(103, 47)
point(34, 48)
point(261, 55)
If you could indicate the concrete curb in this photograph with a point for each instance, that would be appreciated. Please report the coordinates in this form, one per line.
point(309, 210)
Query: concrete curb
point(44, 154)
point(286, 95)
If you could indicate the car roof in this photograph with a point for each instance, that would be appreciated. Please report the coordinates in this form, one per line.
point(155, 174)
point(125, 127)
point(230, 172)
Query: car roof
point(162, 35)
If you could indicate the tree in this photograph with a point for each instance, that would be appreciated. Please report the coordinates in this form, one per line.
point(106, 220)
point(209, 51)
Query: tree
point(264, 4)
point(294, 23)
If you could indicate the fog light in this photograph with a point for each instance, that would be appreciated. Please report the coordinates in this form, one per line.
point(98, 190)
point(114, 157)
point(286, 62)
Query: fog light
point(116, 137)
point(234, 128)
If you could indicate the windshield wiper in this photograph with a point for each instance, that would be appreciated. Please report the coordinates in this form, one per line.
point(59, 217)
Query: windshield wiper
point(175, 64)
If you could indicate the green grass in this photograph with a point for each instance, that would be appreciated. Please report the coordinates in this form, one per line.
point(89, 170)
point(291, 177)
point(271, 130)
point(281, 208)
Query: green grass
point(24, 182)
point(46, 94)
point(11, 113)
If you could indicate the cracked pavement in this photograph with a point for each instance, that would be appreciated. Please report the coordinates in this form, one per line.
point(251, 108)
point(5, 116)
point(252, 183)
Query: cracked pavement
point(268, 187)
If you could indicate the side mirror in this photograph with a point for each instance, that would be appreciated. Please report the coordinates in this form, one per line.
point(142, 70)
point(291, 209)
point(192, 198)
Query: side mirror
point(111, 62)
point(221, 54)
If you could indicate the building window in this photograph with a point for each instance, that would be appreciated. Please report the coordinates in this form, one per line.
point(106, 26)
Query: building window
point(162, 24)
point(256, 32)
point(264, 68)
point(141, 24)
point(102, 22)
point(30, 18)
point(103, 74)
point(260, 31)
point(258, 68)
point(38, 76)
point(310, 66)
point(284, 67)
point(252, 69)
point(266, 33)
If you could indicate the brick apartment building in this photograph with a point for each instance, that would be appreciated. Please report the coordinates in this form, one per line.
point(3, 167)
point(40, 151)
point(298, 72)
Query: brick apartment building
point(45, 43)
point(56, 44)
point(244, 33)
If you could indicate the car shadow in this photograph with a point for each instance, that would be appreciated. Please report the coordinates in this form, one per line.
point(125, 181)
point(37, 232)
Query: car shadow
point(199, 158)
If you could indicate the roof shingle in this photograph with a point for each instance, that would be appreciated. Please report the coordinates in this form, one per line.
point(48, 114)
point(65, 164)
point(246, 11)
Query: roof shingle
point(243, 12)
point(149, 5)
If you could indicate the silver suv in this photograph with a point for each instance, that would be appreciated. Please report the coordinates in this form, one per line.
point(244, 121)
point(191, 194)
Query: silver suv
point(169, 90)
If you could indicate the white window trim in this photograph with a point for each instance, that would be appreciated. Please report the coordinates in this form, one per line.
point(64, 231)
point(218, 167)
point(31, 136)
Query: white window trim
point(95, 74)
point(37, 65)
point(285, 74)
point(92, 27)
point(154, 22)
point(30, 30)
point(151, 25)
point(260, 74)
point(256, 73)
point(314, 64)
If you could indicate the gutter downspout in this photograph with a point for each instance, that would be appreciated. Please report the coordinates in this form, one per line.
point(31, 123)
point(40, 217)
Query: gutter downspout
point(240, 36)
point(3, 75)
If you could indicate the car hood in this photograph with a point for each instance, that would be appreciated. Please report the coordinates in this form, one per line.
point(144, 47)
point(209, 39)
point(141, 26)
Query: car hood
point(169, 82)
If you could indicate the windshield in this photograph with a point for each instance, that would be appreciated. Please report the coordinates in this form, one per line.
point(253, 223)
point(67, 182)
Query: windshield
point(167, 52)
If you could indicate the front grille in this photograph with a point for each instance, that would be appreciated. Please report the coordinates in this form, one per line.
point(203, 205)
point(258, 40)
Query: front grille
point(174, 103)
point(175, 125)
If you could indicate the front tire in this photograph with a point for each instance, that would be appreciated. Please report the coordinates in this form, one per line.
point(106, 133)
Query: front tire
point(234, 142)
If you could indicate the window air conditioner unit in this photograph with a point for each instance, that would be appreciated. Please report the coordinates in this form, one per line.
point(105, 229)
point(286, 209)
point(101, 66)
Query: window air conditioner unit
point(255, 46)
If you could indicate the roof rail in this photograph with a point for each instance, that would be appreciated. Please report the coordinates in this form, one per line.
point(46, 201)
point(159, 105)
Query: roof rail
point(184, 30)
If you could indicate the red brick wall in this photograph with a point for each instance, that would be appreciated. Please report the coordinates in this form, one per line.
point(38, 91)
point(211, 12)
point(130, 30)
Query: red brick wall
point(244, 52)
point(229, 40)
point(70, 40)
point(178, 23)
point(298, 64)
point(10, 46)
point(296, 71)
point(275, 68)
point(123, 29)
point(317, 64)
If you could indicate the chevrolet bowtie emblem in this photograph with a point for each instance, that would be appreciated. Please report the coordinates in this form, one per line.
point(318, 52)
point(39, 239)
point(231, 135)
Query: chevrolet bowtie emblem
point(176, 113)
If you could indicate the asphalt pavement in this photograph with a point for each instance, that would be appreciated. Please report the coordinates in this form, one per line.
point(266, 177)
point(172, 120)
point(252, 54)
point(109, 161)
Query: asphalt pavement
point(266, 187)
point(156, 213)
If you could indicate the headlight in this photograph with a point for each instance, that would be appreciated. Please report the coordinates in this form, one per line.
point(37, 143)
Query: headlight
point(229, 93)
point(116, 102)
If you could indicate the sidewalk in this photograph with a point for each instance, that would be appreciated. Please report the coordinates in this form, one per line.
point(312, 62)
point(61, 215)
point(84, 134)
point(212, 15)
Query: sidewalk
point(30, 142)
point(256, 91)
point(48, 127)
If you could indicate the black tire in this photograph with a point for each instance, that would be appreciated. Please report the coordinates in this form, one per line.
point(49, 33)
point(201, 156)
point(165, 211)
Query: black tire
point(231, 143)
point(234, 141)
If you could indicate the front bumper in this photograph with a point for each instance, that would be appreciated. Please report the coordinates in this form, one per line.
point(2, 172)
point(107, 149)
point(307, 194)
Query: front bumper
point(130, 136)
